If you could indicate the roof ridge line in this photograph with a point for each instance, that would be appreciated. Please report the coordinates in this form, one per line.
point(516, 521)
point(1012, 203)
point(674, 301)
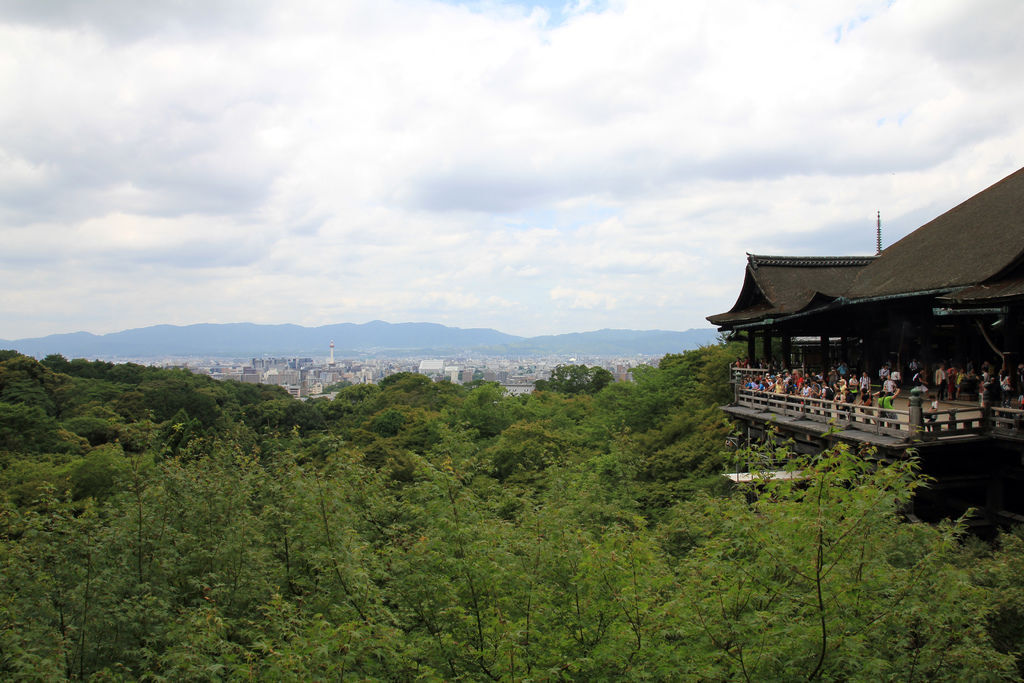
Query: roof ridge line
point(757, 260)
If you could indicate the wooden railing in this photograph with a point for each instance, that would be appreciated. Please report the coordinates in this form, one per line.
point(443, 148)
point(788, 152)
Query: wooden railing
point(1007, 422)
point(737, 373)
point(874, 420)
point(952, 422)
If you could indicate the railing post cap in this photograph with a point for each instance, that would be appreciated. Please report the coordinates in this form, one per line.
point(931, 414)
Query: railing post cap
point(915, 397)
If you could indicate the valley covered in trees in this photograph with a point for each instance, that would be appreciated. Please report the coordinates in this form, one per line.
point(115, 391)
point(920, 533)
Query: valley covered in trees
point(158, 525)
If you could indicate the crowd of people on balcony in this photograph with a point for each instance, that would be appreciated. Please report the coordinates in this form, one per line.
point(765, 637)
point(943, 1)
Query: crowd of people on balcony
point(945, 381)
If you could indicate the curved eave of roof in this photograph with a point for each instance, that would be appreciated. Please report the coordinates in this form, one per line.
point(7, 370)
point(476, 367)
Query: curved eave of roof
point(995, 292)
point(821, 303)
point(776, 286)
point(756, 314)
point(747, 315)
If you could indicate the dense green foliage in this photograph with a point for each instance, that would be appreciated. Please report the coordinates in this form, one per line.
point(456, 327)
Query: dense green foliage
point(576, 379)
point(156, 524)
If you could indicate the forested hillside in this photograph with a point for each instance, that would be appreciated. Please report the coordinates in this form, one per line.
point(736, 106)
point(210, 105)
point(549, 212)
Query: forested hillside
point(156, 524)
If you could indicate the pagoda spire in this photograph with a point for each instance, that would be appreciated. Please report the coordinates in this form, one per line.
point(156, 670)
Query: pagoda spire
point(878, 233)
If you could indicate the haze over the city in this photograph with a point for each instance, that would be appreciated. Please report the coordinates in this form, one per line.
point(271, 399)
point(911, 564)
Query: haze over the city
point(533, 167)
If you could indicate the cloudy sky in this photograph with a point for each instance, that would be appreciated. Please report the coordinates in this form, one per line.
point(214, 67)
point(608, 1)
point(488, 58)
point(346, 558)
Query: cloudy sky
point(534, 166)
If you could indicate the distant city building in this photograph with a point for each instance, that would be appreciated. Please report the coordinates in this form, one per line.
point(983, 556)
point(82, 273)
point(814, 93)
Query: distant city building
point(282, 377)
point(431, 368)
point(517, 389)
point(308, 379)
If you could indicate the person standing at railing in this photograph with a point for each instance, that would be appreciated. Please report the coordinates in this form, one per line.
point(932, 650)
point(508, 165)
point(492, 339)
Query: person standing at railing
point(986, 387)
point(865, 385)
point(940, 382)
point(864, 404)
point(930, 416)
point(885, 406)
point(918, 380)
point(1005, 390)
point(1018, 402)
point(852, 389)
point(841, 398)
point(995, 390)
point(853, 396)
point(951, 376)
point(986, 392)
point(865, 399)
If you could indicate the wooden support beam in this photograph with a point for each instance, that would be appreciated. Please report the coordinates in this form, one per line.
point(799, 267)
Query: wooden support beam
point(1011, 344)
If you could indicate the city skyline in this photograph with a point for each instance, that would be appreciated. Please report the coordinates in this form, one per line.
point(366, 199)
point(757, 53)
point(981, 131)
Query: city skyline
point(233, 340)
point(530, 167)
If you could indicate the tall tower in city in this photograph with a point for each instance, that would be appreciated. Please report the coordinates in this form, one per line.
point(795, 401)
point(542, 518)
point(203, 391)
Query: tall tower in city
point(331, 361)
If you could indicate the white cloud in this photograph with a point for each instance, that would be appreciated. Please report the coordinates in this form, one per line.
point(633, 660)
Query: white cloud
point(577, 298)
point(540, 167)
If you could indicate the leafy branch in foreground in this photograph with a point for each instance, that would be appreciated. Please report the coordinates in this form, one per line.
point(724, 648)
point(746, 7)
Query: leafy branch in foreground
point(820, 578)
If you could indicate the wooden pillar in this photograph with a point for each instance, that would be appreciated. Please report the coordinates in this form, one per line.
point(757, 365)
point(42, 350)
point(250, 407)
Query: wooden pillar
point(977, 349)
point(751, 347)
point(787, 360)
point(892, 353)
point(960, 346)
point(1010, 344)
point(925, 337)
point(766, 345)
point(824, 355)
point(880, 356)
point(872, 354)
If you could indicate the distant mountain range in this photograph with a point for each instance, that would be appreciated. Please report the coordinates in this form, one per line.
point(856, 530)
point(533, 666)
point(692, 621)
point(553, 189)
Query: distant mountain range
point(240, 340)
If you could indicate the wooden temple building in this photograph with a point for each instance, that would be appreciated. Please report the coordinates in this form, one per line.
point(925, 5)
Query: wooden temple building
point(952, 293)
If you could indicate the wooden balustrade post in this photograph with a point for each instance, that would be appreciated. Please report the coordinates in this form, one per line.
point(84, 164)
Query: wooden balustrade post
point(916, 413)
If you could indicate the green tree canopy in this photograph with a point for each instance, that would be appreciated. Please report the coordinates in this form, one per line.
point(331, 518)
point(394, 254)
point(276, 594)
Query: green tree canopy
point(576, 379)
